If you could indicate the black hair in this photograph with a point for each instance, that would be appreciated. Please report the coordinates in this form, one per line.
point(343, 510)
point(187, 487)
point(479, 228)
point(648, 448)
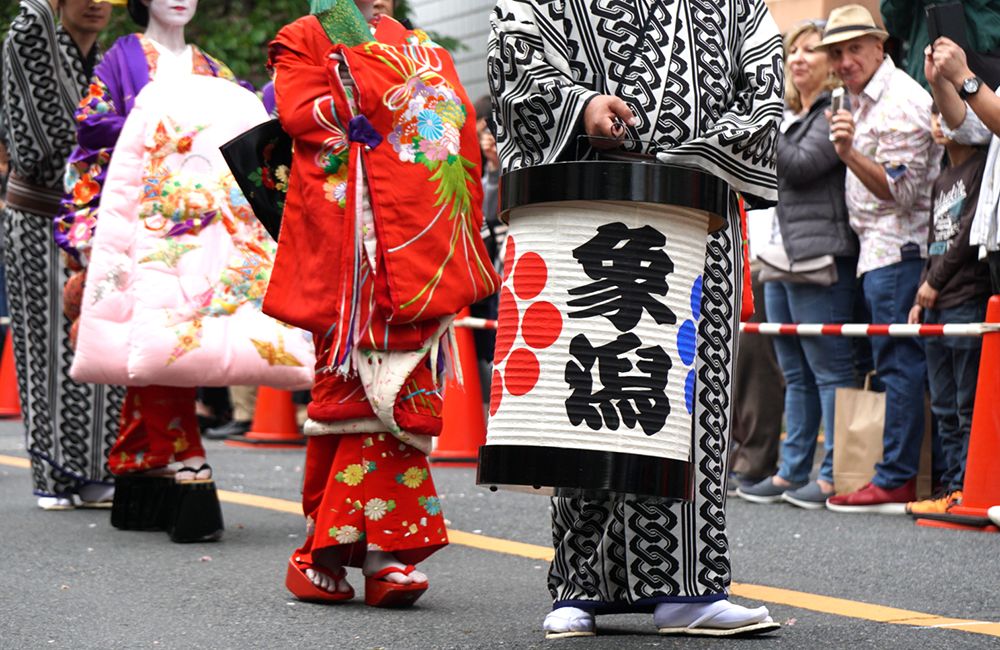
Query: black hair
point(139, 12)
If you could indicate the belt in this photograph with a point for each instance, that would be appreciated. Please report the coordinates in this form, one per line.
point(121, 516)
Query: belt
point(23, 196)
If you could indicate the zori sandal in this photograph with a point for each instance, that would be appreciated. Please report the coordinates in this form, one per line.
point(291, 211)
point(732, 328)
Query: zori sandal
point(297, 582)
point(381, 593)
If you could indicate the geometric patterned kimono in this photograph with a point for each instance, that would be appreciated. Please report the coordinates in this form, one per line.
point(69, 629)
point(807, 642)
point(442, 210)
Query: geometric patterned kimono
point(704, 78)
point(69, 426)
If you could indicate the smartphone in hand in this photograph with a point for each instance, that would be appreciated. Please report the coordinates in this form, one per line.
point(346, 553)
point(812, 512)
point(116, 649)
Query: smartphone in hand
point(836, 103)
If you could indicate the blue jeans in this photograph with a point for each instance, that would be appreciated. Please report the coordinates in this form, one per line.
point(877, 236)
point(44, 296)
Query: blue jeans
point(953, 369)
point(814, 367)
point(900, 364)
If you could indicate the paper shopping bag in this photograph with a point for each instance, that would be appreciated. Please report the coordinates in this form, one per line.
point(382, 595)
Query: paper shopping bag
point(859, 417)
point(859, 421)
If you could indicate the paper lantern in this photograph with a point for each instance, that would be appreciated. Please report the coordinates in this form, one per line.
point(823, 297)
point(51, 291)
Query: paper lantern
point(594, 374)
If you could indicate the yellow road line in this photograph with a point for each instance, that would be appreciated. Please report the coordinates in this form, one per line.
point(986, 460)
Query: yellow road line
point(15, 461)
point(789, 597)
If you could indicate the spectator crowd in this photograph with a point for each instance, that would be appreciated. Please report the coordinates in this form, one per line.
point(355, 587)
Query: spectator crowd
point(887, 213)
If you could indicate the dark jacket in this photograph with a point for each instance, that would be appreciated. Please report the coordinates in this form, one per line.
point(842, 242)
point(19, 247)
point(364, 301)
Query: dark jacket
point(812, 211)
point(953, 266)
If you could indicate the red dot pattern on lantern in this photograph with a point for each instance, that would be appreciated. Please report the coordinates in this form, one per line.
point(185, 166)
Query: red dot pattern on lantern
point(518, 370)
point(508, 258)
point(521, 373)
point(541, 325)
point(496, 392)
point(530, 276)
point(507, 313)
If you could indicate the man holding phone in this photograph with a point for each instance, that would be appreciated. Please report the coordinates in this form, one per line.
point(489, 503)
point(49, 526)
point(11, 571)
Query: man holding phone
point(885, 141)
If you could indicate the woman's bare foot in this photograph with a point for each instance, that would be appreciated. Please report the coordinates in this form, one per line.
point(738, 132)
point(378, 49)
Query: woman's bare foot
point(376, 561)
point(327, 573)
point(194, 469)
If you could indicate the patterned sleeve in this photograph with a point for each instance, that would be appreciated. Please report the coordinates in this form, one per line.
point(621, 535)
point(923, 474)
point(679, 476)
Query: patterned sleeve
point(32, 91)
point(971, 131)
point(537, 103)
point(98, 124)
point(904, 148)
point(740, 146)
point(300, 81)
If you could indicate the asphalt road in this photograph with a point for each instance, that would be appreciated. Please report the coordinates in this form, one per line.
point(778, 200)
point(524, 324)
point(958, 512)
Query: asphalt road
point(68, 580)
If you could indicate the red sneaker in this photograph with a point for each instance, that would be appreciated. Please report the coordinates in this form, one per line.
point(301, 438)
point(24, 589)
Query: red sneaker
point(872, 498)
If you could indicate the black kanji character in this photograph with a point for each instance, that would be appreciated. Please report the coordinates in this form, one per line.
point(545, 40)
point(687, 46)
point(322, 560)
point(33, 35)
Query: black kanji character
point(635, 397)
point(629, 267)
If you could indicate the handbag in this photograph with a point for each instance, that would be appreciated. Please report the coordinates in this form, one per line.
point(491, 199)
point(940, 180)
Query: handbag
point(261, 162)
point(775, 266)
point(859, 423)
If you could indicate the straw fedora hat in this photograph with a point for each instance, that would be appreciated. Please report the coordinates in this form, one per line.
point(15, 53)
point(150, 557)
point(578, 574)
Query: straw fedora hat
point(847, 22)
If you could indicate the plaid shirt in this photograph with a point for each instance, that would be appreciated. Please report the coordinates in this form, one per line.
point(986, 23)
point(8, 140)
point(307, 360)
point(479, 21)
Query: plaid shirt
point(893, 127)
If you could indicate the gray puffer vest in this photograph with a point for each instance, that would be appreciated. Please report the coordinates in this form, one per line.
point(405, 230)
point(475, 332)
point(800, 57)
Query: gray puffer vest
point(812, 212)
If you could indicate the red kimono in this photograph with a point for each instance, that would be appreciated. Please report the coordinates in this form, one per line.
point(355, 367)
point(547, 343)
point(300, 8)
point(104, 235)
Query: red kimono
point(379, 248)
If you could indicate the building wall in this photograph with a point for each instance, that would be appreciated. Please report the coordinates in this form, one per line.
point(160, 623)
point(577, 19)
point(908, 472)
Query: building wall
point(788, 12)
point(468, 21)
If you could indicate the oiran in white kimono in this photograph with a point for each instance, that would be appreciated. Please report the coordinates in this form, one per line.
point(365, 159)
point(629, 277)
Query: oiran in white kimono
point(694, 83)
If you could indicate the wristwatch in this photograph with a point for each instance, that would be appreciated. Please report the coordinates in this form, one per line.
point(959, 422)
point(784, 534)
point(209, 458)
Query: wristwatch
point(970, 87)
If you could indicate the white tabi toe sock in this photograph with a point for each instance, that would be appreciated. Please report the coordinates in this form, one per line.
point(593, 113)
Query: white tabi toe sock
point(568, 619)
point(55, 503)
point(720, 614)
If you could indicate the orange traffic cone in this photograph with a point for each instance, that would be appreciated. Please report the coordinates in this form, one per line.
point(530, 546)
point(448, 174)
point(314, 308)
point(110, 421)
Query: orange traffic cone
point(10, 405)
point(274, 423)
point(982, 466)
point(464, 429)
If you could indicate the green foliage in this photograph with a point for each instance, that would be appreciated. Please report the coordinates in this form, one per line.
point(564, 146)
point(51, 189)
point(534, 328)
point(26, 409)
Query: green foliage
point(235, 31)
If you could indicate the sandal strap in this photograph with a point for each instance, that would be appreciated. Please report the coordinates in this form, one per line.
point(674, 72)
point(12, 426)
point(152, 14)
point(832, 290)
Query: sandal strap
point(381, 573)
point(195, 470)
point(337, 576)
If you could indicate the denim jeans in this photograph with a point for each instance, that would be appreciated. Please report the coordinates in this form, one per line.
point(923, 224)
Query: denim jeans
point(900, 364)
point(953, 369)
point(814, 367)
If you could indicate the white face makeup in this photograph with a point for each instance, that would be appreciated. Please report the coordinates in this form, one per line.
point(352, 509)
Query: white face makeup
point(171, 13)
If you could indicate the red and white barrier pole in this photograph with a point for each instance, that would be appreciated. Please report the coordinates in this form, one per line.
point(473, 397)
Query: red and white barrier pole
point(822, 329)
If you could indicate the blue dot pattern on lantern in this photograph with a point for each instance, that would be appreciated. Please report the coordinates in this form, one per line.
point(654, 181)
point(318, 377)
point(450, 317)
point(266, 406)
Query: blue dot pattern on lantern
point(696, 298)
point(687, 337)
point(689, 391)
point(687, 341)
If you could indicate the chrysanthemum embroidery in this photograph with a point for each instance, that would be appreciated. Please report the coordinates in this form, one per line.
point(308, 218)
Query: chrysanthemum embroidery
point(412, 477)
point(352, 475)
point(346, 534)
point(431, 504)
point(376, 508)
point(428, 117)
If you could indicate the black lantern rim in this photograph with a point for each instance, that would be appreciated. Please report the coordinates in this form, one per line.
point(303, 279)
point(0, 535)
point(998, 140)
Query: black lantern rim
point(602, 180)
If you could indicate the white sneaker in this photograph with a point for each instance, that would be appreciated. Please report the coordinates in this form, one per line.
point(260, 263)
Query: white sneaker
point(568, 621)
point(994, 514)
point(719, 618)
